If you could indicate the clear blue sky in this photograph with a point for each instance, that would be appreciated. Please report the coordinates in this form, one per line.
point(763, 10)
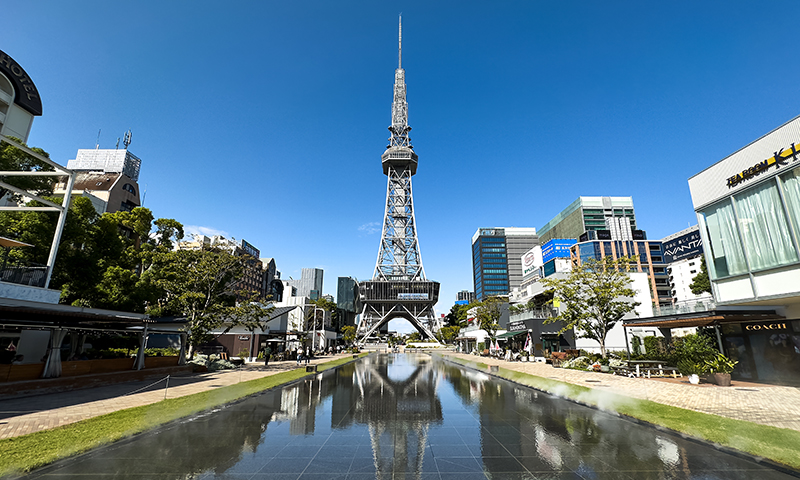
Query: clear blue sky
point(266, 120)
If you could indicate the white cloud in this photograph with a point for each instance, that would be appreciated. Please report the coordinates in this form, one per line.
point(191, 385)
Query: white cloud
point(208, 231)
point(370, 228)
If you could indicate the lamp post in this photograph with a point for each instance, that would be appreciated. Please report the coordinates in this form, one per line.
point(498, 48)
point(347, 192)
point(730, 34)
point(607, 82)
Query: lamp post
point(314, 328)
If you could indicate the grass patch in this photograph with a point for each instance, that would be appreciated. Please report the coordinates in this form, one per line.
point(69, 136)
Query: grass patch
point(781, 445)
point(24, 453)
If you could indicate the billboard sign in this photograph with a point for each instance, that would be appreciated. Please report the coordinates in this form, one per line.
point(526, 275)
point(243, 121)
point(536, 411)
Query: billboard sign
point(531, 261)
point(556, 248)
point(685, 246)
point(412, 296)
point(250, 250)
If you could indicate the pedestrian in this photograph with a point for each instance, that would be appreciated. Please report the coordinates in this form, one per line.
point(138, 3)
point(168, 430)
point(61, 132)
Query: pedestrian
point(267, 354)
point(299, 355)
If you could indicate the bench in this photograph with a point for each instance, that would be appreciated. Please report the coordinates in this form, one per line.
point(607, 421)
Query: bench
point(650, 372)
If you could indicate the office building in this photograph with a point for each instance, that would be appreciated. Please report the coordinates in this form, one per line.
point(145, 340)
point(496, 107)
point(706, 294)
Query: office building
point(497, 259)
point(589, 214)
point(310, 283)
point(465, 297)
point(272, 285)
point(19, 99)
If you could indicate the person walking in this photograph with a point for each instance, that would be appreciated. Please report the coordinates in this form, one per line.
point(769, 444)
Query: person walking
point(267, 354)
point(299, 355)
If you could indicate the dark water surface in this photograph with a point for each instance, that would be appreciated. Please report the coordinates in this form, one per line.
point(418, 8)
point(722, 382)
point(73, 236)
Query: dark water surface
point(407, 417)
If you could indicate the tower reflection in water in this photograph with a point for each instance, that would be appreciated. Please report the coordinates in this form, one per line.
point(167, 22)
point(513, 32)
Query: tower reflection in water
point(407, 417)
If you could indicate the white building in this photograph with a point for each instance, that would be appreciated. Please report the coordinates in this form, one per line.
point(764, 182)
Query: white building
point(748, 210)
point(19, 99)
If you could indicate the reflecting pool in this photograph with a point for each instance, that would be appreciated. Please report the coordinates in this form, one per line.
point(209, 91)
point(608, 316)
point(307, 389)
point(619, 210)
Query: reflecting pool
point(407, 417)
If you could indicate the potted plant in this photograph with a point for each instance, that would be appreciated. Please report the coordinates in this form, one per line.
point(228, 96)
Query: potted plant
point(557, 358)
point(604, 365)
point(692, 370)
point(720, 369)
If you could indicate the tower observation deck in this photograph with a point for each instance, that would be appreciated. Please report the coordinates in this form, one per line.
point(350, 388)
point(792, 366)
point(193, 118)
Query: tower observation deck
point(398, 288)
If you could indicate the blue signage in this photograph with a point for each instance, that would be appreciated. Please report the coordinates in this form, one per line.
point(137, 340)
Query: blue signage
point(556, 248)
point(685, 246)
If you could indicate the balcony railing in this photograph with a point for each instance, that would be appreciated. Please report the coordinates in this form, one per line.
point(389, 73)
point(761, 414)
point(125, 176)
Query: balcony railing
point(537, 313)
point(30, 274)
point(689, 306)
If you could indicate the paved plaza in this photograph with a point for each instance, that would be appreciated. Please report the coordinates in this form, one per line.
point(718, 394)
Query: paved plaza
point(759, 403)
point(23, 415)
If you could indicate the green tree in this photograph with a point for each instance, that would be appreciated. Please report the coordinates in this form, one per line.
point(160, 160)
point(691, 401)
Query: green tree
point(414, 336)
point(197, 284)
point(457, 316)
point(701, 283)
point(595, 297)
point(14, 159)
point(487, 314)
point(447, 334)
point(349, 334)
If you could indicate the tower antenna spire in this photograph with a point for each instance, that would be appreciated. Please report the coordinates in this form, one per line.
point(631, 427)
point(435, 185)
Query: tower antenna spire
point(400, 43)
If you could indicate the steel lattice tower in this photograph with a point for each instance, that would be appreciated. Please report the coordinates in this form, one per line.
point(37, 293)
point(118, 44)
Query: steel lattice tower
point(398, 288)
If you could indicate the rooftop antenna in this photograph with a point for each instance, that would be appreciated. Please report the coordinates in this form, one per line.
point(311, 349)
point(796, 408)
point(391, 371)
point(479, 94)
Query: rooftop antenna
point(117, 147)
point(97, 145)
point(127, 139)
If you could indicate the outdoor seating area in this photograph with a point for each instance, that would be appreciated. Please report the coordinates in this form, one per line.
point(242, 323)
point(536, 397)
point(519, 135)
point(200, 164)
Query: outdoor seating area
point(646, 368)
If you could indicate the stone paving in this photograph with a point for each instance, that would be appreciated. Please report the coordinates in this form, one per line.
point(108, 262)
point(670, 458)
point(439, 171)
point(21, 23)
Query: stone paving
point(766, 404)
point(20, 416)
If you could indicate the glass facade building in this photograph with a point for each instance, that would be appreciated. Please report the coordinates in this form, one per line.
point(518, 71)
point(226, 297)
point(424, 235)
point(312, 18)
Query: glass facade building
point(496, 264)
point(587, 214)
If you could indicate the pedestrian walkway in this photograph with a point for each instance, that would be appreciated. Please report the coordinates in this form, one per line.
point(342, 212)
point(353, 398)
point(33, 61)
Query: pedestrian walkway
point(21, 416)
point(758, 403)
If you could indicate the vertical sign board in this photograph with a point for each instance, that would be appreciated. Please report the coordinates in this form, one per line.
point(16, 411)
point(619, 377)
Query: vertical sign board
point(531, 261)
point(685, 246)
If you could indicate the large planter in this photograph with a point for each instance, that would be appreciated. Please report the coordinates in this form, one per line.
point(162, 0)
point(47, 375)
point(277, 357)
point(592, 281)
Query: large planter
point(721, 379)
point(694, 379)
point(605, 368)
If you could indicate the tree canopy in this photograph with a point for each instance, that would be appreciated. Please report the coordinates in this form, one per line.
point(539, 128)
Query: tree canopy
point(457, 316)
point(487, 314)
point(701, 283)
point(594, 297)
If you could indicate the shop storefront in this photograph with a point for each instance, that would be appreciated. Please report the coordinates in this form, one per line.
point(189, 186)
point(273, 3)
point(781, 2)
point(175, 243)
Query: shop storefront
point(765, 345)
point(767, 352)
point(545, 337)
point(748, 210)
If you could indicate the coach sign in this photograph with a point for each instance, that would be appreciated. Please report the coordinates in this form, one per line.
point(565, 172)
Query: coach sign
point(25, 93)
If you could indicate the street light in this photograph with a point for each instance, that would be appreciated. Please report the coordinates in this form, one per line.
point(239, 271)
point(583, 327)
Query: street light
point(314, 328)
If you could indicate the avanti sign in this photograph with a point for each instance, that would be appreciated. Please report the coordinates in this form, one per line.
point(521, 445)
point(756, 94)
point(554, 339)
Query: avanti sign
point(777, 160)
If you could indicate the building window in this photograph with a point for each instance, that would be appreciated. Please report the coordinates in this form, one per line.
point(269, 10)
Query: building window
point(764, 229)
point(726, 255)
point(791, 194)
point(129, 188)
